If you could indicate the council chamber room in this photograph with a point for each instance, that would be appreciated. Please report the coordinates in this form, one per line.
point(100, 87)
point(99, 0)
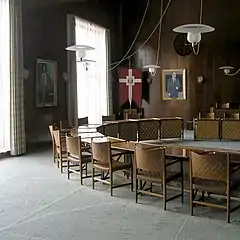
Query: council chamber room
point(120, 119)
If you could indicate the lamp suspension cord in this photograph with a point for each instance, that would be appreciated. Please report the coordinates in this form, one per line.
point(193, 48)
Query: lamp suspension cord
point(233, 74)
point(159, 35)
point(136, 36)
point(149, 37)
point(196, 51)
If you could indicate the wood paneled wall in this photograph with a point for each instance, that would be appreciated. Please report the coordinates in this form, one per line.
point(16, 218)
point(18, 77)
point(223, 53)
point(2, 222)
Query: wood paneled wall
point(216, 48)
point(44, 36)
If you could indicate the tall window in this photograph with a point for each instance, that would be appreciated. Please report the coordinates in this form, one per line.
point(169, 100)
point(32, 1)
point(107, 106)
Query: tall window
point(92, 80)
point(4, 76)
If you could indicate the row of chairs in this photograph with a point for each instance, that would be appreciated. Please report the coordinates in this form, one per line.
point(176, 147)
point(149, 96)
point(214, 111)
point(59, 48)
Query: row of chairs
point(212, 115)
point(209, 172)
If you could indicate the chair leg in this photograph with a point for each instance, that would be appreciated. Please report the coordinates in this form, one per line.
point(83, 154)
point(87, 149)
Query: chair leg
point(191, 200)
point(164, 194)
point(131, 179)
point(93, 174)
point(68, 172)
point(182, 183)
point(61, 164)
point(81, 173)
point(136, 189)
point(228, 206)
point(111, 182)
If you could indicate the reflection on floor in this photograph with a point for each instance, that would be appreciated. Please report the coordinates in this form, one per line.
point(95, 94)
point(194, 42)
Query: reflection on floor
point(37, 202)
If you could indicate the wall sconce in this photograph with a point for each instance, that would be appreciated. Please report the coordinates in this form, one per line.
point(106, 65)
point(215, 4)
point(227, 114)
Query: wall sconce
point(65, 76)
point(200, 79)
point(152, 69)
point(227, 70)
point(25, 73)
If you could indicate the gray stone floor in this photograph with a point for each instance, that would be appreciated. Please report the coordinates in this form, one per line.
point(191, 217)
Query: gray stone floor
point(37, 202)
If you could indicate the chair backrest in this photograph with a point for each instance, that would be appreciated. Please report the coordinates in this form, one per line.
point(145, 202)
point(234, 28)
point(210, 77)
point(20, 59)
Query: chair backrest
point(82, 121)
point(101, 152)
point(133, 116)
point(148, 130)
point(57, 138)
point(149, 158)
point(51, 132)
point(235, 116)
point(73, 145)
point(132, 111)
point(209, 165)
point(128, 130)
point(109, 118)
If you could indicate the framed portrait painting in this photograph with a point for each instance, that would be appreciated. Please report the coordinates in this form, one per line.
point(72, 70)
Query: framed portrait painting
point(46, 85)
point(174, 84)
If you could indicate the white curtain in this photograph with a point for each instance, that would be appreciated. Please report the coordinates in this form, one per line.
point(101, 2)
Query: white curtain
point(4, 76)
point(17, 116)
point(92, 84)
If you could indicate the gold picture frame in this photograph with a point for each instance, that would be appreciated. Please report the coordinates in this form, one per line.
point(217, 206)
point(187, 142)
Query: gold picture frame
point(174, 84)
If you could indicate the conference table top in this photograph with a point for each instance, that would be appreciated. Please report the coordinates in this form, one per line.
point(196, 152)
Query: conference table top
point(175, 147)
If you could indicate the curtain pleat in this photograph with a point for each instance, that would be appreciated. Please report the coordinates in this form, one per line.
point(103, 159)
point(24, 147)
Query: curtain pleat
point(17, 120)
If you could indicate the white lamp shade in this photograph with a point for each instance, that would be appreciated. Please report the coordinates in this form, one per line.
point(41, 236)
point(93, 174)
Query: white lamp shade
point(81, 54)
point(76, 48)
point(194, 37)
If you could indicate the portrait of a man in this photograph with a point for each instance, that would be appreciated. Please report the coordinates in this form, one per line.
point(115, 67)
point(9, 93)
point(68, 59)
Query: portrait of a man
point(46, 90)
point(174, 84)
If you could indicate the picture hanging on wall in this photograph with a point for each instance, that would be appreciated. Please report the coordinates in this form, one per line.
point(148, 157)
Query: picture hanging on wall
point(174, 84)
point(46, 83)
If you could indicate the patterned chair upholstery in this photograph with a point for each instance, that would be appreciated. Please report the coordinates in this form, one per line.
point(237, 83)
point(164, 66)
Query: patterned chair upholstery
point(206, 129)
point(230, 129)
point(111, 130)
point(171, 128)
point(128, 130)
point(148, 130)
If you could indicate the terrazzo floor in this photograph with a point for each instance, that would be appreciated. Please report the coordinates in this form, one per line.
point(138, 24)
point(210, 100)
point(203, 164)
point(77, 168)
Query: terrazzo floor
point(38, 203)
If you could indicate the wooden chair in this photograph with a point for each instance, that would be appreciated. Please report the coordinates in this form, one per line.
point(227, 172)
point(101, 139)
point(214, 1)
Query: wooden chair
point(102, 160)
point(211, 172)
point(151, 167)
point(77, 157)
point(108, 118)
point(83, 121)
point(60, 145)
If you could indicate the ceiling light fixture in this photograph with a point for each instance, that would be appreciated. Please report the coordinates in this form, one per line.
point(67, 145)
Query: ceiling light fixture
point(152, 69)
point(227, 70)
point(195, 31)
point(81, 54)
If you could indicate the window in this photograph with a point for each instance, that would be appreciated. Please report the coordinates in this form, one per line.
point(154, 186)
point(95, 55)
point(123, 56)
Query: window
point(92, 80)
point(4, 76)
